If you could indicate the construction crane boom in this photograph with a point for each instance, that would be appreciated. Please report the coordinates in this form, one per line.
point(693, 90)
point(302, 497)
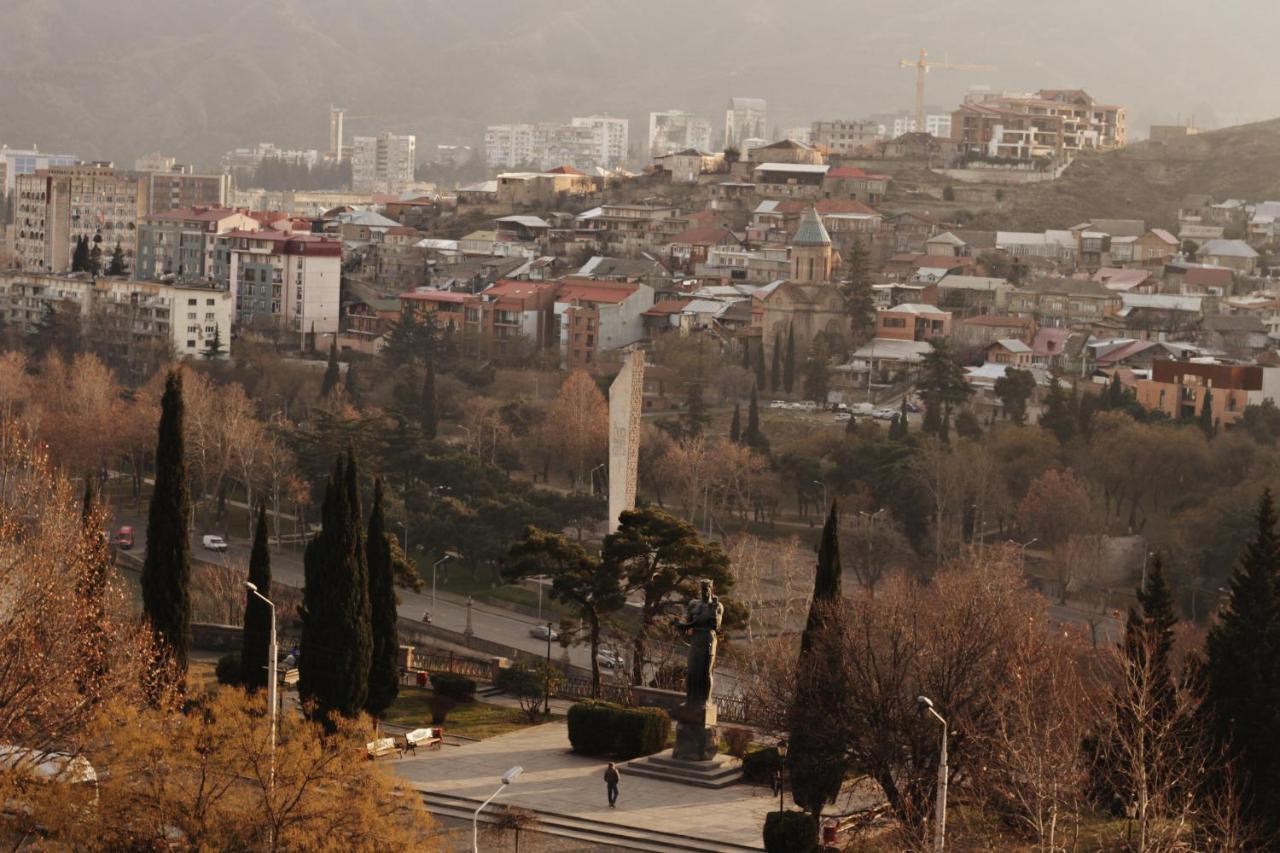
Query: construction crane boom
point(923, 67)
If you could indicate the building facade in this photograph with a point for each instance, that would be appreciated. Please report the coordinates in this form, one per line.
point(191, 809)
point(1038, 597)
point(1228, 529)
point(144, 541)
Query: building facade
point(844, 136)
point(179, 188)
point(677, 130)
point(744, 119)
point(27, 162)
point(1051, 123)
point(281, 282)
point(382, 163)
point(180, 243)
point(611, 138)
point(58, 206)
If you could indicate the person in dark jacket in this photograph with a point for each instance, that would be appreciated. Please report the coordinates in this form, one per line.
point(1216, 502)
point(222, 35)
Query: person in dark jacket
point(611, 784)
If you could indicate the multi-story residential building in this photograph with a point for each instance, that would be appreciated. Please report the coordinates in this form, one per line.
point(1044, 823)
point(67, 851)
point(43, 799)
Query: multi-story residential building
point(180, 188)
point(677, 130)
point(156, 162)
point(1051, 123)
point(1178, 388)
point(844, 136)
point(597, 316)
point(27, 162)
point(243, 162)
point(1064, 302)
point(912, 321)
point(536, 189)
point(855, 183)
point(789, 180)
point(180, 243)
point(508, 145)
point(612, 138)
point(122, 314)
point(744, 119)
point(58, 206)
point(281, 281)
point(892, 125)
point(382, 163)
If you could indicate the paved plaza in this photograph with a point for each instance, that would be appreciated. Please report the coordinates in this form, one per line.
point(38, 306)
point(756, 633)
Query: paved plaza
point(557, 781)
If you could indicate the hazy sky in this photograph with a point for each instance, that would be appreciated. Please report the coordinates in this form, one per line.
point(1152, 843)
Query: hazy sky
point(124, 77)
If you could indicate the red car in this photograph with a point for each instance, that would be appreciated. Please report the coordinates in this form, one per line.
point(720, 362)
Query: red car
point(123, 538)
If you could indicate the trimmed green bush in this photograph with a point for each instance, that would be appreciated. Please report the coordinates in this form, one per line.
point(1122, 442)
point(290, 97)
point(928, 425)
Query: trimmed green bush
point(602, 728)
point(790, 832)
point(229, 670)
point(758, 766)
point(457, 687)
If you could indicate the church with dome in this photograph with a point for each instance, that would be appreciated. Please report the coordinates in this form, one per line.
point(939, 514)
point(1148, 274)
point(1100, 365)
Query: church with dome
point(808, 303)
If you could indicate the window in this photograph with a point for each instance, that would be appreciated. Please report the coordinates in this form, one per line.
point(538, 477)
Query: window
point(191, 315)
point(209, 302)
point(191, 344)
point(191, 302)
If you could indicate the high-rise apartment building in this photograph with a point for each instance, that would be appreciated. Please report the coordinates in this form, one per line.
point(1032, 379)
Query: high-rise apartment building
point(177, 189)
point(677, 130)
point(57, 206)
point(745, 118)
point(844, 136)
point(612, 138)
point(336, 150)
point(382, 163)
point(181, 243)
point(26, 162)
point(282, 281)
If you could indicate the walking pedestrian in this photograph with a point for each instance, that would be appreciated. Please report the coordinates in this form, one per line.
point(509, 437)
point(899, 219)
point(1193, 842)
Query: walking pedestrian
point(611, 784)
point(777, 782)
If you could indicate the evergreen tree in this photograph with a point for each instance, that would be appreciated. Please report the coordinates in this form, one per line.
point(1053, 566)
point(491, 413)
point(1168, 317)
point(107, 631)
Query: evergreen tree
point(694, 418)
point(1014, 389)
point(746, 354)
point(255, 647)
point(942, 385)
point(761, 377)
point(214, 348)
point(331, 373)
point(898, 428)
point(95, 256)
point(80, 255)
point(735, 425)
point(1114, 398)
point(402, 341)
point(166, 569)
point(851, 426)
point(816, 377)
point(1241, 675)
point(116, 267)
point(352, 386)
point(1058, 416)
point(775, 369)
point(858, 301)
point(430, 420)
point(1206, 414)
point(384, 672)
point(789, 361)
point(336, 649)
point(967, 425)
point(816, 766)
point(90, 588)
point(753, 437)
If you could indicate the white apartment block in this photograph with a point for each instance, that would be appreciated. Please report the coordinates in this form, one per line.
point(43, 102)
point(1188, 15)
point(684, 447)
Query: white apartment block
point(745, 118)
point(281, 281)
point(612, 138)
point(508, 145)
point(15, 162)
point(677, 130)
point(382, 163)
point(122, 312)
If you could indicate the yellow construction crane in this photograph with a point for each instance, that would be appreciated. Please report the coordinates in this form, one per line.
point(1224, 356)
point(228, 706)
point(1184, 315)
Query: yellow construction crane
point(923, 67)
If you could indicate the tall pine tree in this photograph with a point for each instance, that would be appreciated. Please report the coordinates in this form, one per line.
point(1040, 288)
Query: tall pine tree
point(759, 366)
point(1240, 681)
point(337, 644)
point(775, 372)
point(789, 361)
point(753, 437)
point(166, 570)
point(735, 425)
point(430, 419)
point(117, 267)
point(331, 373)
point(384, 674)
point(816, 763)
point(90, 591)
point(255, 645)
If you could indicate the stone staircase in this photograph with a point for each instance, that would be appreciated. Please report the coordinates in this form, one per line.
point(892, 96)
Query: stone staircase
point(720, 772)
point(581, 829)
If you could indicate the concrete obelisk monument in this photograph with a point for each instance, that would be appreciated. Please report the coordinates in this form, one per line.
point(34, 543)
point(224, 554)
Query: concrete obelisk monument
point(626, 401)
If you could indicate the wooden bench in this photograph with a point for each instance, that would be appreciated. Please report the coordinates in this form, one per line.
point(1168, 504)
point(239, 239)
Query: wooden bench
point(430, 738)
point(382, 746)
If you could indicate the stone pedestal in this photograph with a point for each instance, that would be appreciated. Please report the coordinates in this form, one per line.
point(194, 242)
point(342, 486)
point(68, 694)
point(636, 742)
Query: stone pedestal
point(696, 735)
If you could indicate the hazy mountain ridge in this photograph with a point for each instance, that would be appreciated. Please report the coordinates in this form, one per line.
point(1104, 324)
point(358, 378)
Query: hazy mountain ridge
point(195, 79)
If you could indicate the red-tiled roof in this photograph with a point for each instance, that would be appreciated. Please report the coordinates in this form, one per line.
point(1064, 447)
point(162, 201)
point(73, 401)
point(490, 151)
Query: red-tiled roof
point(590, 290)
point(998, 320)
point(449, 296)
point(1209, 276)
point(565, 170)
point(702, 235)
point(667, 307)
point(514, 288)
point(854, 172)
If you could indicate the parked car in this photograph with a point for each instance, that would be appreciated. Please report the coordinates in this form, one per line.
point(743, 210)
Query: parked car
point(123, 538)
point(213, 543)
point(862, 408)
point(841, 417)
point(609, 659)
point(540, 632)
point(913, 408)
point(884, 414)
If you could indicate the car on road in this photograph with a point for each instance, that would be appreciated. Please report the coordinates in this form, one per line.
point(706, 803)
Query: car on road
point(541, 632)
point(862, 408)
point(913, 408)
point(609, 659)
point(884, 414)
point(123, 538)
point(213, 543)
point(841, 417)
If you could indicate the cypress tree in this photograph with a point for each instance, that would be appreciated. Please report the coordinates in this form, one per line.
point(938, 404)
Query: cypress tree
point(1206, 414)
point(816, 768)
point(166, 570)
point(759, 367)
point(116, 266)
point(789, 361)
point(694, 418)
point(351, 385)
point(735, 425)
point(1241, 678)
point(430, 420)
point(384, 675)
point(80, 255)
point(255, 648)
point(753, 437)
point(775, 372)
point(331, 373)
point(333, 673)
point(897, 428)
point(95, 258)
point(746, 354)
point(1058, 416)
point(90, 586)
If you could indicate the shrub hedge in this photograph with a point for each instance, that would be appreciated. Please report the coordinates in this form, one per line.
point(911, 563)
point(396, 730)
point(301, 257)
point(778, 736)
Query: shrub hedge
point(602, 728)
point(790, 832)
point(758, 766)
point(457, 687)
point(229, 670)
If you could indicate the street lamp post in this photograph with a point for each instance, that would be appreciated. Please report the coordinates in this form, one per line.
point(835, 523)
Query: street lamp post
point(546, 678)
point(593, 476)
point(467, 632)
point(1023, 549)
point(405, 528)
point(507, 779)
point(271, 680)
point(448, 556)
point(940, 818)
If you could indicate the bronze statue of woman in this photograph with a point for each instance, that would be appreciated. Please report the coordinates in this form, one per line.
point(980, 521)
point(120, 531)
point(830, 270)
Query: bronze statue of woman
point(701, 622)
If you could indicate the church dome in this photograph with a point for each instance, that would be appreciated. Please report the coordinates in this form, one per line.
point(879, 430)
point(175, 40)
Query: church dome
point(811, 231)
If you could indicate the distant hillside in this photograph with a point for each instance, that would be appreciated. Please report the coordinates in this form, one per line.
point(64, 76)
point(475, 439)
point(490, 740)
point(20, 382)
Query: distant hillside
point(1148, 180)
